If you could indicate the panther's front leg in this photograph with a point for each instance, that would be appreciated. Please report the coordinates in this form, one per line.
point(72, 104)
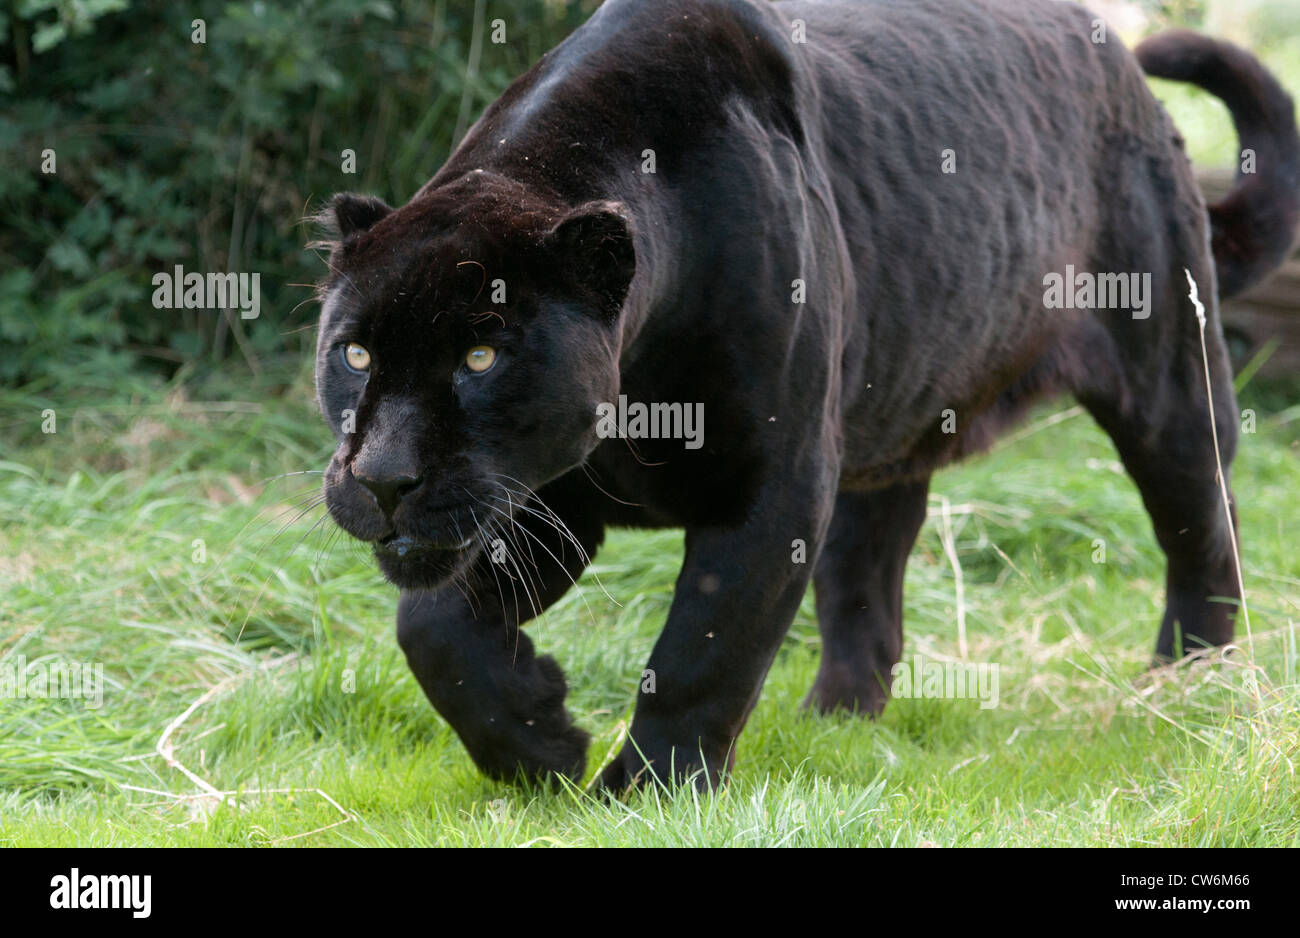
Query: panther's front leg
point(504, 702)
point(479, 670)
point(737, 593)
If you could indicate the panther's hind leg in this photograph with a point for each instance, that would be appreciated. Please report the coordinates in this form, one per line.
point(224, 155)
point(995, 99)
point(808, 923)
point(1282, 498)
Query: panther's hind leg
point(859, 592)
point(1157, 413)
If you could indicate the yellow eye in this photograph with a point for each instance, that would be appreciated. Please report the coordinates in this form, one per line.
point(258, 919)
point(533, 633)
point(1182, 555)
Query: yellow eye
point(480, 358)
point(357, 357)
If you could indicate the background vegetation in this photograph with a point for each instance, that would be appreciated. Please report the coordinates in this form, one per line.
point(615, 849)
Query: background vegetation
point(263, 664)
point(208, 155)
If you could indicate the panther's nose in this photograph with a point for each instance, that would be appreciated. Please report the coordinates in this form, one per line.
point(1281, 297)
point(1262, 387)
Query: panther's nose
point(389, 490)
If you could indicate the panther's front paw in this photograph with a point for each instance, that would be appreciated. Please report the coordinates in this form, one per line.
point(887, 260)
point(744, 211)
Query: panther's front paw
point(530, 735)
point(644, 763)
point(542, 756)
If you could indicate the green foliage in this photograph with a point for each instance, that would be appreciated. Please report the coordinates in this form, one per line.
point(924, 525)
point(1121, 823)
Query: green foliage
point(208, 155)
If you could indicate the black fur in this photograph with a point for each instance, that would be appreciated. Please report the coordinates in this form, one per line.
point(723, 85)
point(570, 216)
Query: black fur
point(776, 161)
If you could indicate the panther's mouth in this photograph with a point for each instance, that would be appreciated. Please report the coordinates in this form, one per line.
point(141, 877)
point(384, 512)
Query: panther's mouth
point(417, 563)
point(401, 545)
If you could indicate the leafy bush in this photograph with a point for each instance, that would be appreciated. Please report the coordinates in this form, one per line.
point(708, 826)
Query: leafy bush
point(208, 154)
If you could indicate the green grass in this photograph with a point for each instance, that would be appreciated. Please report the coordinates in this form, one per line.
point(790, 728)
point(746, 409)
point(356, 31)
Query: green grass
point(97, 529)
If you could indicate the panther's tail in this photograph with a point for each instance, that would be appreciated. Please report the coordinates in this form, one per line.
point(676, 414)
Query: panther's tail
point(1254, 225)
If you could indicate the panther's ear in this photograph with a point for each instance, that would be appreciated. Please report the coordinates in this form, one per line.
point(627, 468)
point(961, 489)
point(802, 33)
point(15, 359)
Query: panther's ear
point(593, 246)
point(352, 213)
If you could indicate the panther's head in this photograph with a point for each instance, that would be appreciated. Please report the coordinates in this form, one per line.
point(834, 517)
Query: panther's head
point(465, 341)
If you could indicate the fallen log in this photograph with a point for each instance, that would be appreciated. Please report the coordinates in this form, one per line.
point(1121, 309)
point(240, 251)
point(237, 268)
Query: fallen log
point(1268, 311)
